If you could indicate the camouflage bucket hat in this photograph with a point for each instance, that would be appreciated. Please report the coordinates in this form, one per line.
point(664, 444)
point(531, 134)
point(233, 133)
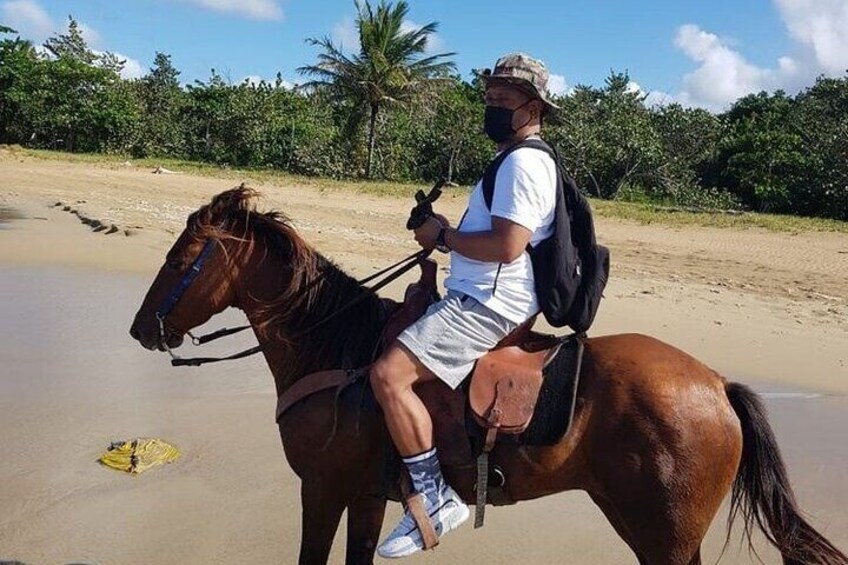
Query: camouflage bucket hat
point(524, 71)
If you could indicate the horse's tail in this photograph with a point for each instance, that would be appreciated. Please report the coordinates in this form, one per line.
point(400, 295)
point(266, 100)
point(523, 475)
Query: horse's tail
point(762, 493)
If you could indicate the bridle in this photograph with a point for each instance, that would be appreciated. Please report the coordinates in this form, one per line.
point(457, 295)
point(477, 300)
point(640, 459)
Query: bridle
point(190, 275)
point(177, 293)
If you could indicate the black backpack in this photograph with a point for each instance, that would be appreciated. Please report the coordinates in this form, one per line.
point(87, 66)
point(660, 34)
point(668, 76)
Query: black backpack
point(570, 268)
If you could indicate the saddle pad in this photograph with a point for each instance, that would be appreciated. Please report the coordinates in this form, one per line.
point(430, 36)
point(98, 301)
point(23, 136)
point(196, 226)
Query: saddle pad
point(555, 407)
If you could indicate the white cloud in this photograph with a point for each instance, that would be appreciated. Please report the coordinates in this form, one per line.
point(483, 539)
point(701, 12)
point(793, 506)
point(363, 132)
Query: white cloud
point(557, 85)
point(29, 19)
point(657, 98)
point(435, 43)
point(91, 36)
point(820, 26)
point(34, 23)
point(634, 87)
point(252, 9)
point(819, 29)
point(345, 35)
point(132, 68)
point(723, 74)
point(652, 99)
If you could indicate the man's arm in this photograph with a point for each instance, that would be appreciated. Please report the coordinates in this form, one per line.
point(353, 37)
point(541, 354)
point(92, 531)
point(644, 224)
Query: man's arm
point(504, 243)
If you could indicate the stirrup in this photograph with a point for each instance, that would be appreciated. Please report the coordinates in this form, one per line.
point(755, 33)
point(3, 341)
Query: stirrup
point(416, 508)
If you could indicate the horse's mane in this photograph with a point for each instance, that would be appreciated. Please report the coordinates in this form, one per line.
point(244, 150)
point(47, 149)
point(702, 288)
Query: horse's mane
point(232, 215)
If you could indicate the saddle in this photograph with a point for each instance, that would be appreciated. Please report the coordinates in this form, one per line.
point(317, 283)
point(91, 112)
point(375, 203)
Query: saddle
point(499, 399)
point(502, 392)
point(505, 383)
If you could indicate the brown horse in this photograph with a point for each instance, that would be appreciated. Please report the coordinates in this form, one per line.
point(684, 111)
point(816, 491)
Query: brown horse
point(658, 439)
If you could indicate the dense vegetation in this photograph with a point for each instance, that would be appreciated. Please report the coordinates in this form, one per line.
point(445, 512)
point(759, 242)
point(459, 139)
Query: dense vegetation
point(415, 119)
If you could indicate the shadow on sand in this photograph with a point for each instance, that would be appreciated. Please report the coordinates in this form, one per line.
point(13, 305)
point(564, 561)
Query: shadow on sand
point(7, 214)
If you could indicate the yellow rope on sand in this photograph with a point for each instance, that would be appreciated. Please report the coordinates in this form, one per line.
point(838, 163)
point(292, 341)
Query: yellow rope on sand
point(138, 455)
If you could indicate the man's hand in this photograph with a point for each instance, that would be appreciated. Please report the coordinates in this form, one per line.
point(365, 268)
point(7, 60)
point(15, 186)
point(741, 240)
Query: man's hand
point(442, 220)
point(427, 233)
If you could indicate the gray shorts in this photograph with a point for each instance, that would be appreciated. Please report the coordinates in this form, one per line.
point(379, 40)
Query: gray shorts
point(453, 334)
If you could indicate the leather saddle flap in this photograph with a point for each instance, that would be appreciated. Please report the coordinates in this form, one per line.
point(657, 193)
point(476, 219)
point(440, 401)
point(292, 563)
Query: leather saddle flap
point(419, 295)
point(505, 386)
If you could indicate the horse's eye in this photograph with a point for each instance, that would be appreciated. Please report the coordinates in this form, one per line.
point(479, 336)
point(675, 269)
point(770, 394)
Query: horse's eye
point(174, 263)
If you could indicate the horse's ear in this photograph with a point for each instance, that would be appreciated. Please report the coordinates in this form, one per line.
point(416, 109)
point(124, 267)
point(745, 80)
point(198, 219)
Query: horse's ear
point(227, 204)
point(237, 199)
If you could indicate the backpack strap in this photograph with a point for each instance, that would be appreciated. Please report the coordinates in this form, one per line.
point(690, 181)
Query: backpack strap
point(492, 169)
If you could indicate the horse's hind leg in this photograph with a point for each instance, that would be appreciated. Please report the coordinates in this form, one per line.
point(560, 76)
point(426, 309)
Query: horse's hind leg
point(618, 524)
point(322, 511)
point(364, 521)
point(662, 516)
point(661, 496)
point(648, 529)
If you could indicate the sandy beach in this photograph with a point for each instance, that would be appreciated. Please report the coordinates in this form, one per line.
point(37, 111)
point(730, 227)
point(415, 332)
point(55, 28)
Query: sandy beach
point(768, 309)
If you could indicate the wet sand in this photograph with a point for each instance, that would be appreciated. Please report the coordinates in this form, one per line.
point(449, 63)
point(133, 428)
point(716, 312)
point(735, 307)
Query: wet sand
point(72, 381)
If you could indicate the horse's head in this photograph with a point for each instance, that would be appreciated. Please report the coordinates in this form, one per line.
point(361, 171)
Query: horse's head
point(194, 283)
point(209, 267)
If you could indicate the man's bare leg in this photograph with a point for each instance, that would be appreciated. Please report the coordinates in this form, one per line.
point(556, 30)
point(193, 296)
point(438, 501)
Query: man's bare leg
point(392, 378)
point(411, 428)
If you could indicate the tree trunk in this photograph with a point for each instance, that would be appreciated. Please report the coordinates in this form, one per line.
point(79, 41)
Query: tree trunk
point(453, 155)
point(595, 184)
point(207, 139)
point(624, 179)
point(372, 138)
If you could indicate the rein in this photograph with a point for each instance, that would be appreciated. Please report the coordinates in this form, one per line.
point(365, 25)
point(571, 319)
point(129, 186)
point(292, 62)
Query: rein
point(401, 267)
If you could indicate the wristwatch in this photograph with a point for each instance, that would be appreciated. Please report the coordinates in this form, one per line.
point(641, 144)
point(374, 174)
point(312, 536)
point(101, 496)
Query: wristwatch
point(441, 245)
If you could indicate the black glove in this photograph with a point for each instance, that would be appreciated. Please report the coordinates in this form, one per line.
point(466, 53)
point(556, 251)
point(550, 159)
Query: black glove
point(424, 207)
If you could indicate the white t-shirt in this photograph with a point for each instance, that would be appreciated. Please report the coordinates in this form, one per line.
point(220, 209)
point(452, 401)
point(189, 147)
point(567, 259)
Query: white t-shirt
point(525, 187)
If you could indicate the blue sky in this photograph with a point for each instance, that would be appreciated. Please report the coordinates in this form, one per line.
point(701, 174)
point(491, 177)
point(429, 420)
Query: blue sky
point(697, 52)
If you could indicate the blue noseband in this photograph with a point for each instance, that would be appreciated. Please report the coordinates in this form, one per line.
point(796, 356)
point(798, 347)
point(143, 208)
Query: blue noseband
point(188, 278)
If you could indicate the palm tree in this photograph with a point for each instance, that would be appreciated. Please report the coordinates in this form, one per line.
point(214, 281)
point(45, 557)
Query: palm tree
point(391, 68)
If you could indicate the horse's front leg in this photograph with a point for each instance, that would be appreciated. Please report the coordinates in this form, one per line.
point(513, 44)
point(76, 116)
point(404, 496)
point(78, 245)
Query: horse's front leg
point(364, 522)
point(322, 509)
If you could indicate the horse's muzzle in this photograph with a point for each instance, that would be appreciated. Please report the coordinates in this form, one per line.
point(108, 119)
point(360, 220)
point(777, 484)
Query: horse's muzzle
point(147, 340)
point(150, 339)
point(173, 340)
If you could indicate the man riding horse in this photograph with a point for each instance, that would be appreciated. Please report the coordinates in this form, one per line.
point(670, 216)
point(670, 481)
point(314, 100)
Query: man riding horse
point(657, 440)
point(490, 291)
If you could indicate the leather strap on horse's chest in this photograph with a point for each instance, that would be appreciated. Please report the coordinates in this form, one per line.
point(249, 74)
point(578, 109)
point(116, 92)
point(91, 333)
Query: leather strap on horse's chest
point(312, 383)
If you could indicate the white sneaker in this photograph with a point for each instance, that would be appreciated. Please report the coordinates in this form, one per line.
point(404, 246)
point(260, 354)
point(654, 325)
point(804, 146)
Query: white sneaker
point(406, 539)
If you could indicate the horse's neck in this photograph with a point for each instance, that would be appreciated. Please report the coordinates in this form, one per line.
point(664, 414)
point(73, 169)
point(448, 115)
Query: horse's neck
point(305, 343)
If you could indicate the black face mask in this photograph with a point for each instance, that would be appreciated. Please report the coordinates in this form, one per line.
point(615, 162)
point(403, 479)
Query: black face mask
point(497, 122)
